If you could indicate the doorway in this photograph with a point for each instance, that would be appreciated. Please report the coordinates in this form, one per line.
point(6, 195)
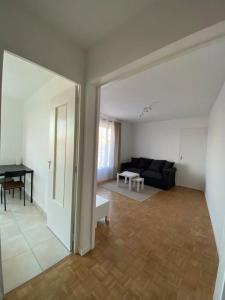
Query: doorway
point(38, 132)
point(193, 142)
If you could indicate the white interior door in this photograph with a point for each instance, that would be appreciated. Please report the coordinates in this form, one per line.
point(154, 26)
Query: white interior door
point(61, 166)
point(191, 167)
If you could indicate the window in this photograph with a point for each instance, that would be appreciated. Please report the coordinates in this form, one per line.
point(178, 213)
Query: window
point(106, 148)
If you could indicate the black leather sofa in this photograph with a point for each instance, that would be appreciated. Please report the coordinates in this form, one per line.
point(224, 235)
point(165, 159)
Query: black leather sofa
point(157, 173)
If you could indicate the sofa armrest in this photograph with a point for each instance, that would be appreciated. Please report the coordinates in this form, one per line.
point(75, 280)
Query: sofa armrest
point(169, 177)
point(168, 171)
point(125, 165)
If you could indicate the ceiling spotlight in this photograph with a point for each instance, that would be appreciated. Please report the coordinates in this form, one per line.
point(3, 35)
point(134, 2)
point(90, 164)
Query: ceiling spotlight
point(147, 109)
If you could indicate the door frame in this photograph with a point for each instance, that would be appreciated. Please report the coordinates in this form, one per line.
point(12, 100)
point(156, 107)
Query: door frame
point(200, 39)
point(77, 173)
point(197, 40)
point(77, 170)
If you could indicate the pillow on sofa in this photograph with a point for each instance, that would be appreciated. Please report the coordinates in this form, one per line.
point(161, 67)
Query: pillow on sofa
point(134, 170)
point(156, 165)
point(135, 162)
point(144, 163)
point(152, 174)
point(168, 165)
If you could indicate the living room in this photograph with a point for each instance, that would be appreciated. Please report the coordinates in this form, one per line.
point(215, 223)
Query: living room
point(162, 114)
point(159, 132)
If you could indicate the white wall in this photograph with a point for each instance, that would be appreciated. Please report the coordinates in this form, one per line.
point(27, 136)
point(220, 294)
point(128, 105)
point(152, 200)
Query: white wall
point(35, 152)
point(215, 182)
point(11, 130)
point(215, 175)
point(161, 140)
point(28, 37)
point(46, 46)
point(126, 141)
point(163, 23)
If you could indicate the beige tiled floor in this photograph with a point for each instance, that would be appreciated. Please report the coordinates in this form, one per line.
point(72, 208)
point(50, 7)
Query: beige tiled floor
point(28, 247)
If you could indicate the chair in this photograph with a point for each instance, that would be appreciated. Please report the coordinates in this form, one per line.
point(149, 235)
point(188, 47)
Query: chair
point(8, 185)
point(3, 180)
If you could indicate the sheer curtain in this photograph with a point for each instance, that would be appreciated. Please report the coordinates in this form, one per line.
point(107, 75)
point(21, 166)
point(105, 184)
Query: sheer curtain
point(106, 148)
point(117, 148)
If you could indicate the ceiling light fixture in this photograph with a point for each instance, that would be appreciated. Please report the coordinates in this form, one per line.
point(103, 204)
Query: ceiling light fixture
point(146, 109)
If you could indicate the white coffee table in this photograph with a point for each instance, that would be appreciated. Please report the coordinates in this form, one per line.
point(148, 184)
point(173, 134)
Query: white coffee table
point(128, 176)
point(137, 181)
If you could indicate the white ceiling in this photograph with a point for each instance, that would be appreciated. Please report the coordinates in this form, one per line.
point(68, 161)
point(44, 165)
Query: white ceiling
point(22, 78)
point(184, 87)
point(86, 21)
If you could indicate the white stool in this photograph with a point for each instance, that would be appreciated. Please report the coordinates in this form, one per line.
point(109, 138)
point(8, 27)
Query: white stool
point(137, 182)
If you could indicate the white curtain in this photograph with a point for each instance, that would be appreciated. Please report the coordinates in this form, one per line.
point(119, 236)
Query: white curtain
point(106, 147)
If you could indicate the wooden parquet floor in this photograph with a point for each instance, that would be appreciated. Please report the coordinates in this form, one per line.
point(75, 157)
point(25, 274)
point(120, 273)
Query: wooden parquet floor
point(162, 248)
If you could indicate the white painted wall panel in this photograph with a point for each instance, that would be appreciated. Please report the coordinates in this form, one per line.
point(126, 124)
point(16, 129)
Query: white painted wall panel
point(11, 130)
point(215, 182)
point(215, 174)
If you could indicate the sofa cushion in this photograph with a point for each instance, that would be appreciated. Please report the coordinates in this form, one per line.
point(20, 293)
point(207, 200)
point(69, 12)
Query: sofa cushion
point(144, 163)
point(135, 162)
point(156, 165)
point(152, 174)
point(168, 165)
point(134, 170)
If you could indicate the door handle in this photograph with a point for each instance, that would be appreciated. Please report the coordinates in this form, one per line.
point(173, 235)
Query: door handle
point(49, 164)
point(181, 157)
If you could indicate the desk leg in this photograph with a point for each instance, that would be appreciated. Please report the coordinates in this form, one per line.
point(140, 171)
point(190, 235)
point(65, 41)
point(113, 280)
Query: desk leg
point(31, 187)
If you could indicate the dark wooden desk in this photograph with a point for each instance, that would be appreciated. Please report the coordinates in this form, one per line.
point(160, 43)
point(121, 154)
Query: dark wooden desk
point(13, 168)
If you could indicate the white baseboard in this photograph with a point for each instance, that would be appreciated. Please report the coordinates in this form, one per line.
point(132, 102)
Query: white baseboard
point(37, 205)
point(40, 208)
